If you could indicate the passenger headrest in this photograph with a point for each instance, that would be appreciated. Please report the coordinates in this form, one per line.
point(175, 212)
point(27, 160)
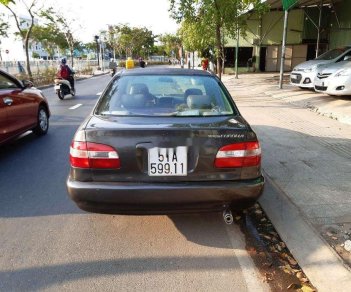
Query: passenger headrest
point(133, 100)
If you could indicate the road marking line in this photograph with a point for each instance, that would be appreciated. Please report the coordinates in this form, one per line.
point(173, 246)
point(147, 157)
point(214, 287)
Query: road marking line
point(251, 274)
point(75, 106)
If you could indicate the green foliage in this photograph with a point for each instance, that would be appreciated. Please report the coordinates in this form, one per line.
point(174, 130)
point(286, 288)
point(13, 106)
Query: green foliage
point(196, 36)
point(90, 46)
point(6, 2)
point(3, 26)
point(31, 8)
point(50, 38)
point(204, 22)
point(130, 41)
point(170, 43)
point(62, 25)
point(35, 55)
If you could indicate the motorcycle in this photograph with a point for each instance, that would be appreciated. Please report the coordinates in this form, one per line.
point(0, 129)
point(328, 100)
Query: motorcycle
point(63, 87)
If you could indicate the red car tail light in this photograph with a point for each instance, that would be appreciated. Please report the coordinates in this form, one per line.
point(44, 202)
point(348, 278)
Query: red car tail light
point(93, 155)
point(239, 155)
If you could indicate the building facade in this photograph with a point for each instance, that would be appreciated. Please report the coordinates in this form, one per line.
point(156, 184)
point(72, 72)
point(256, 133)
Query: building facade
point(320, 25)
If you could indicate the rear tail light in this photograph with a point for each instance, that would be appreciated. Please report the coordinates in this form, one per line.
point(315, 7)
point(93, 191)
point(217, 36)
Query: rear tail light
point(93, 155)
point(239, 155)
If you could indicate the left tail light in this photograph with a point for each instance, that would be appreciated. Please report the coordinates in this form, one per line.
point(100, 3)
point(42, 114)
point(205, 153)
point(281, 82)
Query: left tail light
point(93, 155)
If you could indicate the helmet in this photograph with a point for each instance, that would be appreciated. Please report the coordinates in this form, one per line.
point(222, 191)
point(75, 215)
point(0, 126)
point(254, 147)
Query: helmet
point(63, 61)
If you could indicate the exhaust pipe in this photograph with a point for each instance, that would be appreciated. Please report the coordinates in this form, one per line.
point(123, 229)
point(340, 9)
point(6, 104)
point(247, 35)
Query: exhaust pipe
point(228, 216)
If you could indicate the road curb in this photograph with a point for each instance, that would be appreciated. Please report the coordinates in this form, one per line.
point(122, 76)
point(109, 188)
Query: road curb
point(317, 259)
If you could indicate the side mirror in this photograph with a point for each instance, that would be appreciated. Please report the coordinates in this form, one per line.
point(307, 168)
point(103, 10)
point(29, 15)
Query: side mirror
point(347, 58)
point(27, 83)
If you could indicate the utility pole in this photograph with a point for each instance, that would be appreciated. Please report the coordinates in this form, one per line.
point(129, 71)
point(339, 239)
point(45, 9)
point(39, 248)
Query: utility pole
point(319, 28)
point(97, 49)
point(282, 60)
point(237, 52)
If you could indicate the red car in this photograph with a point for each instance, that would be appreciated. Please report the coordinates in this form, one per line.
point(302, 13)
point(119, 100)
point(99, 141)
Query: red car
point(22, 108)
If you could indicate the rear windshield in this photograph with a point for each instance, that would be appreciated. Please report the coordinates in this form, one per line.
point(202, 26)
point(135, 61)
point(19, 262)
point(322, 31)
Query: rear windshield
point(332, 54)
point(162, 95)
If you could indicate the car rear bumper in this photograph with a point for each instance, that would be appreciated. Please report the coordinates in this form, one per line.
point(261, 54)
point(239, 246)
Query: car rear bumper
point(163, 198)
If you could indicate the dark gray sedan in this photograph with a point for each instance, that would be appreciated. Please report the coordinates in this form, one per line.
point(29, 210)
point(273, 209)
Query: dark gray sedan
point(161, 141)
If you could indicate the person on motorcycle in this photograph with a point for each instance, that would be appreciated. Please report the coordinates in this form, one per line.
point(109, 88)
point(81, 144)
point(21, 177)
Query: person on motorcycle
point(65, 72)
point(112, 66)
point(141, 62)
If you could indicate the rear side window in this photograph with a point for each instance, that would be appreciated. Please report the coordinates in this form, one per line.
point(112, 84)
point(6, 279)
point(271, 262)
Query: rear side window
point(6, 83)
point(162, 95)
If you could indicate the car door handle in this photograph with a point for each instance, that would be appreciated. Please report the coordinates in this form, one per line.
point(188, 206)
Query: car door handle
point(7, 100)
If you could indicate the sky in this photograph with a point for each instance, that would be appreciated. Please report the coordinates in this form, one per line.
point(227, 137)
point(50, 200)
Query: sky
point(94, 16)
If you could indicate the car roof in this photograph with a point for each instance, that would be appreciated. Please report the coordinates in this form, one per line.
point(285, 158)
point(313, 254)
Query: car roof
point(164, 71)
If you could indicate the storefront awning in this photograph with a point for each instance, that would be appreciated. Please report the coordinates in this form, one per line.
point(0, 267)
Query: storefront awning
point(278, 4)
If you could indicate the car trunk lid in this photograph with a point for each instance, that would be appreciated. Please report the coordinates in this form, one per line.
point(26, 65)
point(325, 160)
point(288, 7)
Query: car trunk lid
point(137, 139)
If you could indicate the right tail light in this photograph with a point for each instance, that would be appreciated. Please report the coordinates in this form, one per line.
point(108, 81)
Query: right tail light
point(244, 154)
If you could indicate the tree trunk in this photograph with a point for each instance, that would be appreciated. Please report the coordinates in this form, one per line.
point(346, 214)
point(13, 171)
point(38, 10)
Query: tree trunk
point(223, 57)
point(29, 71)
point(218, 48)
point(71, 50)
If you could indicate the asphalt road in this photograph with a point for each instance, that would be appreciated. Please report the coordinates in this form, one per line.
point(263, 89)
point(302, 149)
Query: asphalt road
point(48, 244)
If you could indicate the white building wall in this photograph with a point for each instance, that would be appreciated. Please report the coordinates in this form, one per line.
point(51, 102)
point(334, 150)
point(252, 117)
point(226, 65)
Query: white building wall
point(12, 47)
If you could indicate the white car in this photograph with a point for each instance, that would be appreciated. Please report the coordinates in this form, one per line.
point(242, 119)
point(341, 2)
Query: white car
point(303, 75)
point(334, 79)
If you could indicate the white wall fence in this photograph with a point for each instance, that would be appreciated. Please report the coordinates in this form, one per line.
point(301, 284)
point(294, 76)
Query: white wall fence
point(40, 66)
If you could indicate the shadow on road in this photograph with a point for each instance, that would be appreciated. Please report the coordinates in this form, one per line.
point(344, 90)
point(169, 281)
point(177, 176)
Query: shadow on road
point(39, 278)
point(33, 172)
point(194, 226)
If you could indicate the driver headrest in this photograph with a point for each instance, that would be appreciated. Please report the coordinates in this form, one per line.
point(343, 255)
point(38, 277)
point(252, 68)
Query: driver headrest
point(138, 88)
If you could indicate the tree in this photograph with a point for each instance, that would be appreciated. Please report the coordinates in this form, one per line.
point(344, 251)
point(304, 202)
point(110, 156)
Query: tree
point(171, 43)
point(4, 26)
point(24, 27)
point(209, 19)
point(50, 38)
point(130, 40)
point(62, 25)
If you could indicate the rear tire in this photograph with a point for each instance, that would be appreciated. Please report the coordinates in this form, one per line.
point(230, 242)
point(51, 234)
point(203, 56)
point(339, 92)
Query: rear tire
point(43, 122)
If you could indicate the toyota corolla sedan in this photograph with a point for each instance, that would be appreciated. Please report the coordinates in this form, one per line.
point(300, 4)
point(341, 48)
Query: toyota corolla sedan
point(164, 140)
point(22, 108)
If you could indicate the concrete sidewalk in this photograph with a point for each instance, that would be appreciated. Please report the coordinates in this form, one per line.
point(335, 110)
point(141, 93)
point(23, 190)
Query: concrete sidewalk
point(306, 145)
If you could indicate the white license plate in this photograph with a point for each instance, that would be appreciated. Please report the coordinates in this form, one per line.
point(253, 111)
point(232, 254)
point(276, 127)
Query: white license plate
point(57, 87)
point(167, 161)
point(292, 76)
point(318, 82)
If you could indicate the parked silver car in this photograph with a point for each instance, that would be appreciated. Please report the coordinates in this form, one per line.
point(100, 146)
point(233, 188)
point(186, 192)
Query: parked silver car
point(303, 75)
point(334, 79)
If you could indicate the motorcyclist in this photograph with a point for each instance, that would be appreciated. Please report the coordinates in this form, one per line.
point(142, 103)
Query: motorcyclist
point(141, 62)
point(65, 72)
point(112, 66)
